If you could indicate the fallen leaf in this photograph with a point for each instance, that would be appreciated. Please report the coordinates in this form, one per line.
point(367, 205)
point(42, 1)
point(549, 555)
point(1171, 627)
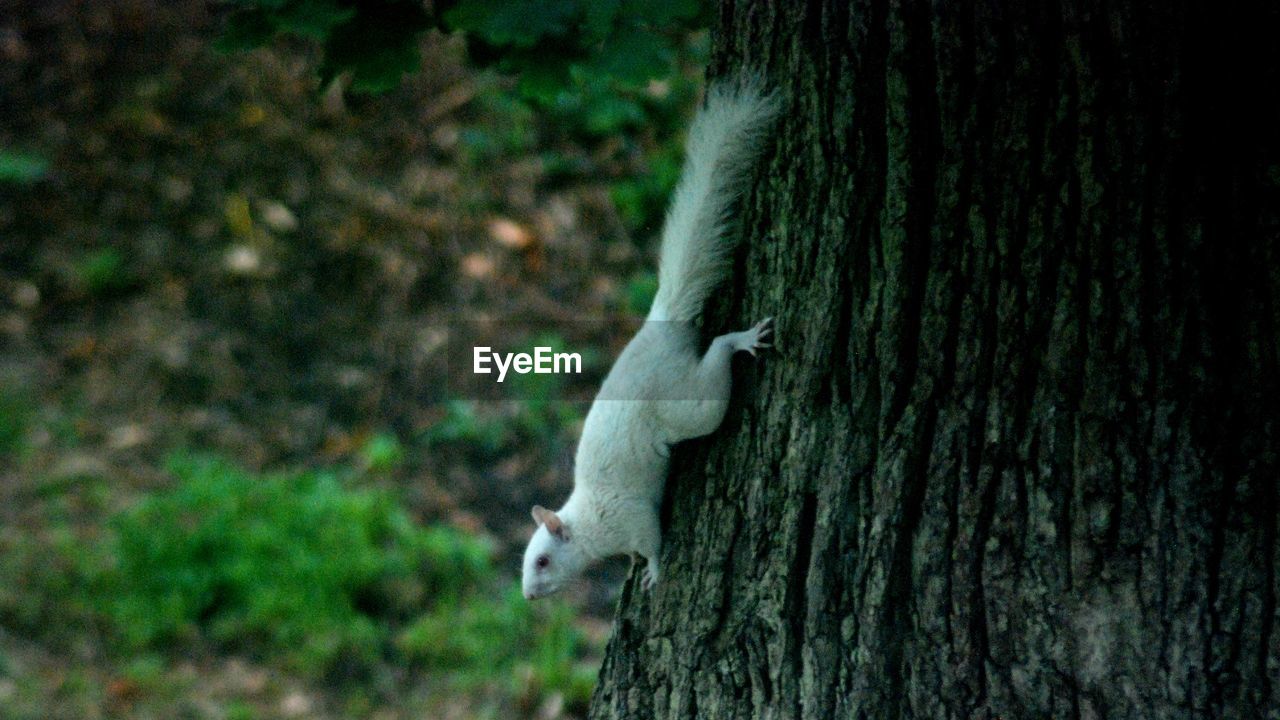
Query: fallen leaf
point(236, 213)
point(509, 233)
point(477, 265)
point(278, 217)
point(252, 114)
point(243, 260)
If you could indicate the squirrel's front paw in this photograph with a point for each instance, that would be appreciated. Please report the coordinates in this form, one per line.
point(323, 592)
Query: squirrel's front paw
point(649, 577)
point(757, 336)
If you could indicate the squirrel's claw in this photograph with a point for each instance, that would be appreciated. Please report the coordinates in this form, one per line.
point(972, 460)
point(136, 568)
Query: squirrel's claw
point(758, 334)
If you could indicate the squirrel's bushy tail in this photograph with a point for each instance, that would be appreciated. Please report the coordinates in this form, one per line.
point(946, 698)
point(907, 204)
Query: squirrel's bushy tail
point(724, 139)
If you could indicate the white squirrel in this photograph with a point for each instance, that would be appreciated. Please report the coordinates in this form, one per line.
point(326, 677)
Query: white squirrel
point(660, 390)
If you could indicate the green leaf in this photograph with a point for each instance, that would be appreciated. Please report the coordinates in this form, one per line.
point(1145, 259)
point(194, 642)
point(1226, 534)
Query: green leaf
point(599, 18)
point(379, 70)
point(382, 453)
point(519, 23)
point(21, 168)
point(634, 56)
point(656, 13)
point(103, 271)
point(378, 45)
point(544, 80)
point(312, 18)
point(610, 113)
point(640, 291)
point(246, 29)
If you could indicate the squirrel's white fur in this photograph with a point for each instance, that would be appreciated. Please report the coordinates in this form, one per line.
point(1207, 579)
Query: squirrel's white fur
point(660, 390)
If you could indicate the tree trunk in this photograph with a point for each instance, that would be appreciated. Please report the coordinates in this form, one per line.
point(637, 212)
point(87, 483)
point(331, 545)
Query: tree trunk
point(1015, 455)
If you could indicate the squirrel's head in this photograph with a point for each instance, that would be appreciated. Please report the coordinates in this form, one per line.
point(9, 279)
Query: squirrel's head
point(552, 558)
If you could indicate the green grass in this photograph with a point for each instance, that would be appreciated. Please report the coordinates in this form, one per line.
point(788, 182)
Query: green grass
point(303, 570)
point(16, 413)
point(382, 453)
point(505, 636)
point(292, 565)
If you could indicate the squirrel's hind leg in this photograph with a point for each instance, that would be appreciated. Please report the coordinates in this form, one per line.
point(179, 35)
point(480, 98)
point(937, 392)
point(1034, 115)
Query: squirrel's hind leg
point(648, 545)
point(651, 574)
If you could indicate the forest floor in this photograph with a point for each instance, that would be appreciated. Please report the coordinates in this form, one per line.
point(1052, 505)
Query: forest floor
point(220, 258)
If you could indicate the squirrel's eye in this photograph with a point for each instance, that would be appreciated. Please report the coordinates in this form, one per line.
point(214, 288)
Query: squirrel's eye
point(542, 561)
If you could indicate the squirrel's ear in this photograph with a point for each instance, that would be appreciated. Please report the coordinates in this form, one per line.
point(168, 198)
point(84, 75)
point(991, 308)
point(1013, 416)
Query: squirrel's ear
point(540, 515)
point(558, 528)
point(554, 524)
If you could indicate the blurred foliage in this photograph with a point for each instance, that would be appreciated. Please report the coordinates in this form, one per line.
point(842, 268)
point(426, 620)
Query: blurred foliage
point(21, 168)
point(490, 428)
point(640, 290)
point(597, 69)
point(15, 417)
point(641, 126)
point(101, 271)
point(546, 43)
point(643, 197)
point(197, 252)
point(292, 563)
point(474, 640)
point(514, 135)
point(464, 424)
point(382, 453)
point(300, 568)
point(374, 40)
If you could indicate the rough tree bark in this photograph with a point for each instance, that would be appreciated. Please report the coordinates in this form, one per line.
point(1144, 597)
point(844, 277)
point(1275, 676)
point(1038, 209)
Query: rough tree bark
point(1016, 454)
